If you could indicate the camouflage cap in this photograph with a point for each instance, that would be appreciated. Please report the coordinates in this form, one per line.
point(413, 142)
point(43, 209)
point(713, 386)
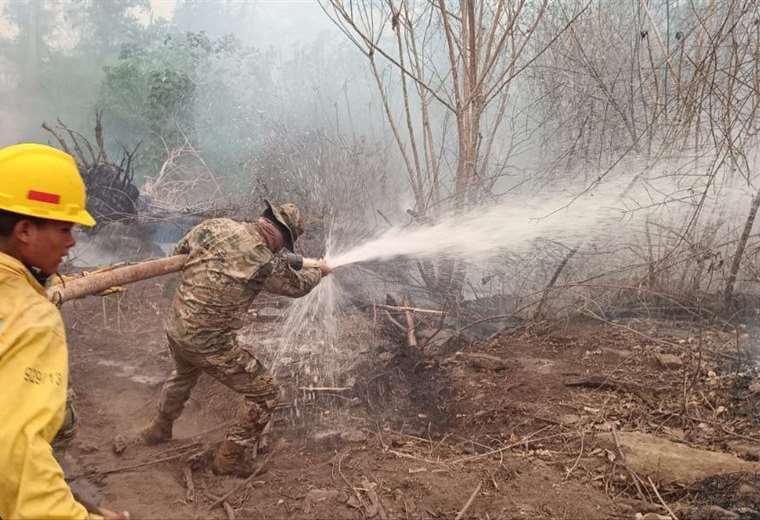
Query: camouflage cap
point(291, 219)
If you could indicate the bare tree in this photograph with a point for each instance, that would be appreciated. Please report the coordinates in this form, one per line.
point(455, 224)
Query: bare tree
point(451, 66)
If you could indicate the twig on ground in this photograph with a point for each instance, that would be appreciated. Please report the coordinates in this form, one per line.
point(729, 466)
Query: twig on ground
point(342, 476)
point(408, 456)
point(580, 454)
point(183, 448)
point(469, 502)
point(409, 435)
point(187, 473)
point(126, 468)
point(228, 510)
point(656, 492)
point(324, 388)
point(245, 482)
point(525, 440)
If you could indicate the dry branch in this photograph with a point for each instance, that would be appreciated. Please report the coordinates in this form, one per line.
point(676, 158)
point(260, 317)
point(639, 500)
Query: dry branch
point(130, 467)
point(411, 336)
point(394, 321)
point(324, 388)
point(406, 308)
point(469, 502)
point(228, 510)
point(187, 474)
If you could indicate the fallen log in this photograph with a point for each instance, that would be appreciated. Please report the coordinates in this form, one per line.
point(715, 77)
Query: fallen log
point(672, 463)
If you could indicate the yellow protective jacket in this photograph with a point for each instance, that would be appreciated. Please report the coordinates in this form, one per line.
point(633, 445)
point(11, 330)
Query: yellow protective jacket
point(33, 378)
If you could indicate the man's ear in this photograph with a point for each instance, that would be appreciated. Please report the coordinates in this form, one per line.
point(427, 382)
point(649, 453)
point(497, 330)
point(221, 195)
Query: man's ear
point(24, 231)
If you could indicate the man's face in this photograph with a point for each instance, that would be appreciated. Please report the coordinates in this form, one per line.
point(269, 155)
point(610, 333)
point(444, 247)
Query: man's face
point(43, 245)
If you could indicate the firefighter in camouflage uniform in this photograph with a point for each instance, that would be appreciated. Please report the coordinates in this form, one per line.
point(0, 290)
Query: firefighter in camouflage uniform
point(229, 264)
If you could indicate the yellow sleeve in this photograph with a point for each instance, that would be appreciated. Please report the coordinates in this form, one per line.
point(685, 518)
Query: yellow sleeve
point(34, 374)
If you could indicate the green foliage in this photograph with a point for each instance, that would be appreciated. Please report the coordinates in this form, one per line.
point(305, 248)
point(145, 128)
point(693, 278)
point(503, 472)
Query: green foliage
point(54, 60)
point(149, 94)
point(163, 87)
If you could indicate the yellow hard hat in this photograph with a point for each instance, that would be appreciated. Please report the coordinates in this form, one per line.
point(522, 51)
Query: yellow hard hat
point(44, 182)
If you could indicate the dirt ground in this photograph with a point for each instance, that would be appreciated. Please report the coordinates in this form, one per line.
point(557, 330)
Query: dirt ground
point(503, 428)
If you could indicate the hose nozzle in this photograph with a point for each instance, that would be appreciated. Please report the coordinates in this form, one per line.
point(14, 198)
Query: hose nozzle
point(298, 262)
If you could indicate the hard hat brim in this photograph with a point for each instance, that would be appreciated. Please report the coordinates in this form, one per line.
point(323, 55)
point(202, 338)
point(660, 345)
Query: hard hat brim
point(81, 217)
point(84, 219)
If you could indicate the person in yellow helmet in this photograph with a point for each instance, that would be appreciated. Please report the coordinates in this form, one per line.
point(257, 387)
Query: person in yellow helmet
point(42, 196)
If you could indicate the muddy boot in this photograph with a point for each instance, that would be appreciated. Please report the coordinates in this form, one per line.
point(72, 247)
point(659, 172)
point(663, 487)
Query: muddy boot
point(157, 432)
point(230, 459)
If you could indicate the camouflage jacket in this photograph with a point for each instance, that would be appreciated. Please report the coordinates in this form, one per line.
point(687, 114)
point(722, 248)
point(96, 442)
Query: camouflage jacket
point(227, 267)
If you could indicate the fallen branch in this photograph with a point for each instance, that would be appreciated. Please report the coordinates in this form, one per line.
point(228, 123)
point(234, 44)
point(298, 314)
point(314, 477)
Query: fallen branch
point(187, 473)
point(394, 321)
point(127, 468)
point(325, 388)
point(656, 492)
point(575, 465)
point(408, 456)
point(469, 502)
point(340, 472)
point(408, 308)
point(525, 440)
point(228, 510)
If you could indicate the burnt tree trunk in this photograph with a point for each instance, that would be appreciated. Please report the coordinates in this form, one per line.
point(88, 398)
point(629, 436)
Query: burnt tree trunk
point(740, 247)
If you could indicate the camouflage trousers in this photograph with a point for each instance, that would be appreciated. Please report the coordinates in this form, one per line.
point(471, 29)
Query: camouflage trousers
point(236, 368)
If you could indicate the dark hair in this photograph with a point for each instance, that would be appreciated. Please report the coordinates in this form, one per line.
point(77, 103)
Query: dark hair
point(8, 221)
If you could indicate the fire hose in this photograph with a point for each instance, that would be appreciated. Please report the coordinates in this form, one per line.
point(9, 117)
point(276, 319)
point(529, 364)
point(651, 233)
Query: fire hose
point(98, 282)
